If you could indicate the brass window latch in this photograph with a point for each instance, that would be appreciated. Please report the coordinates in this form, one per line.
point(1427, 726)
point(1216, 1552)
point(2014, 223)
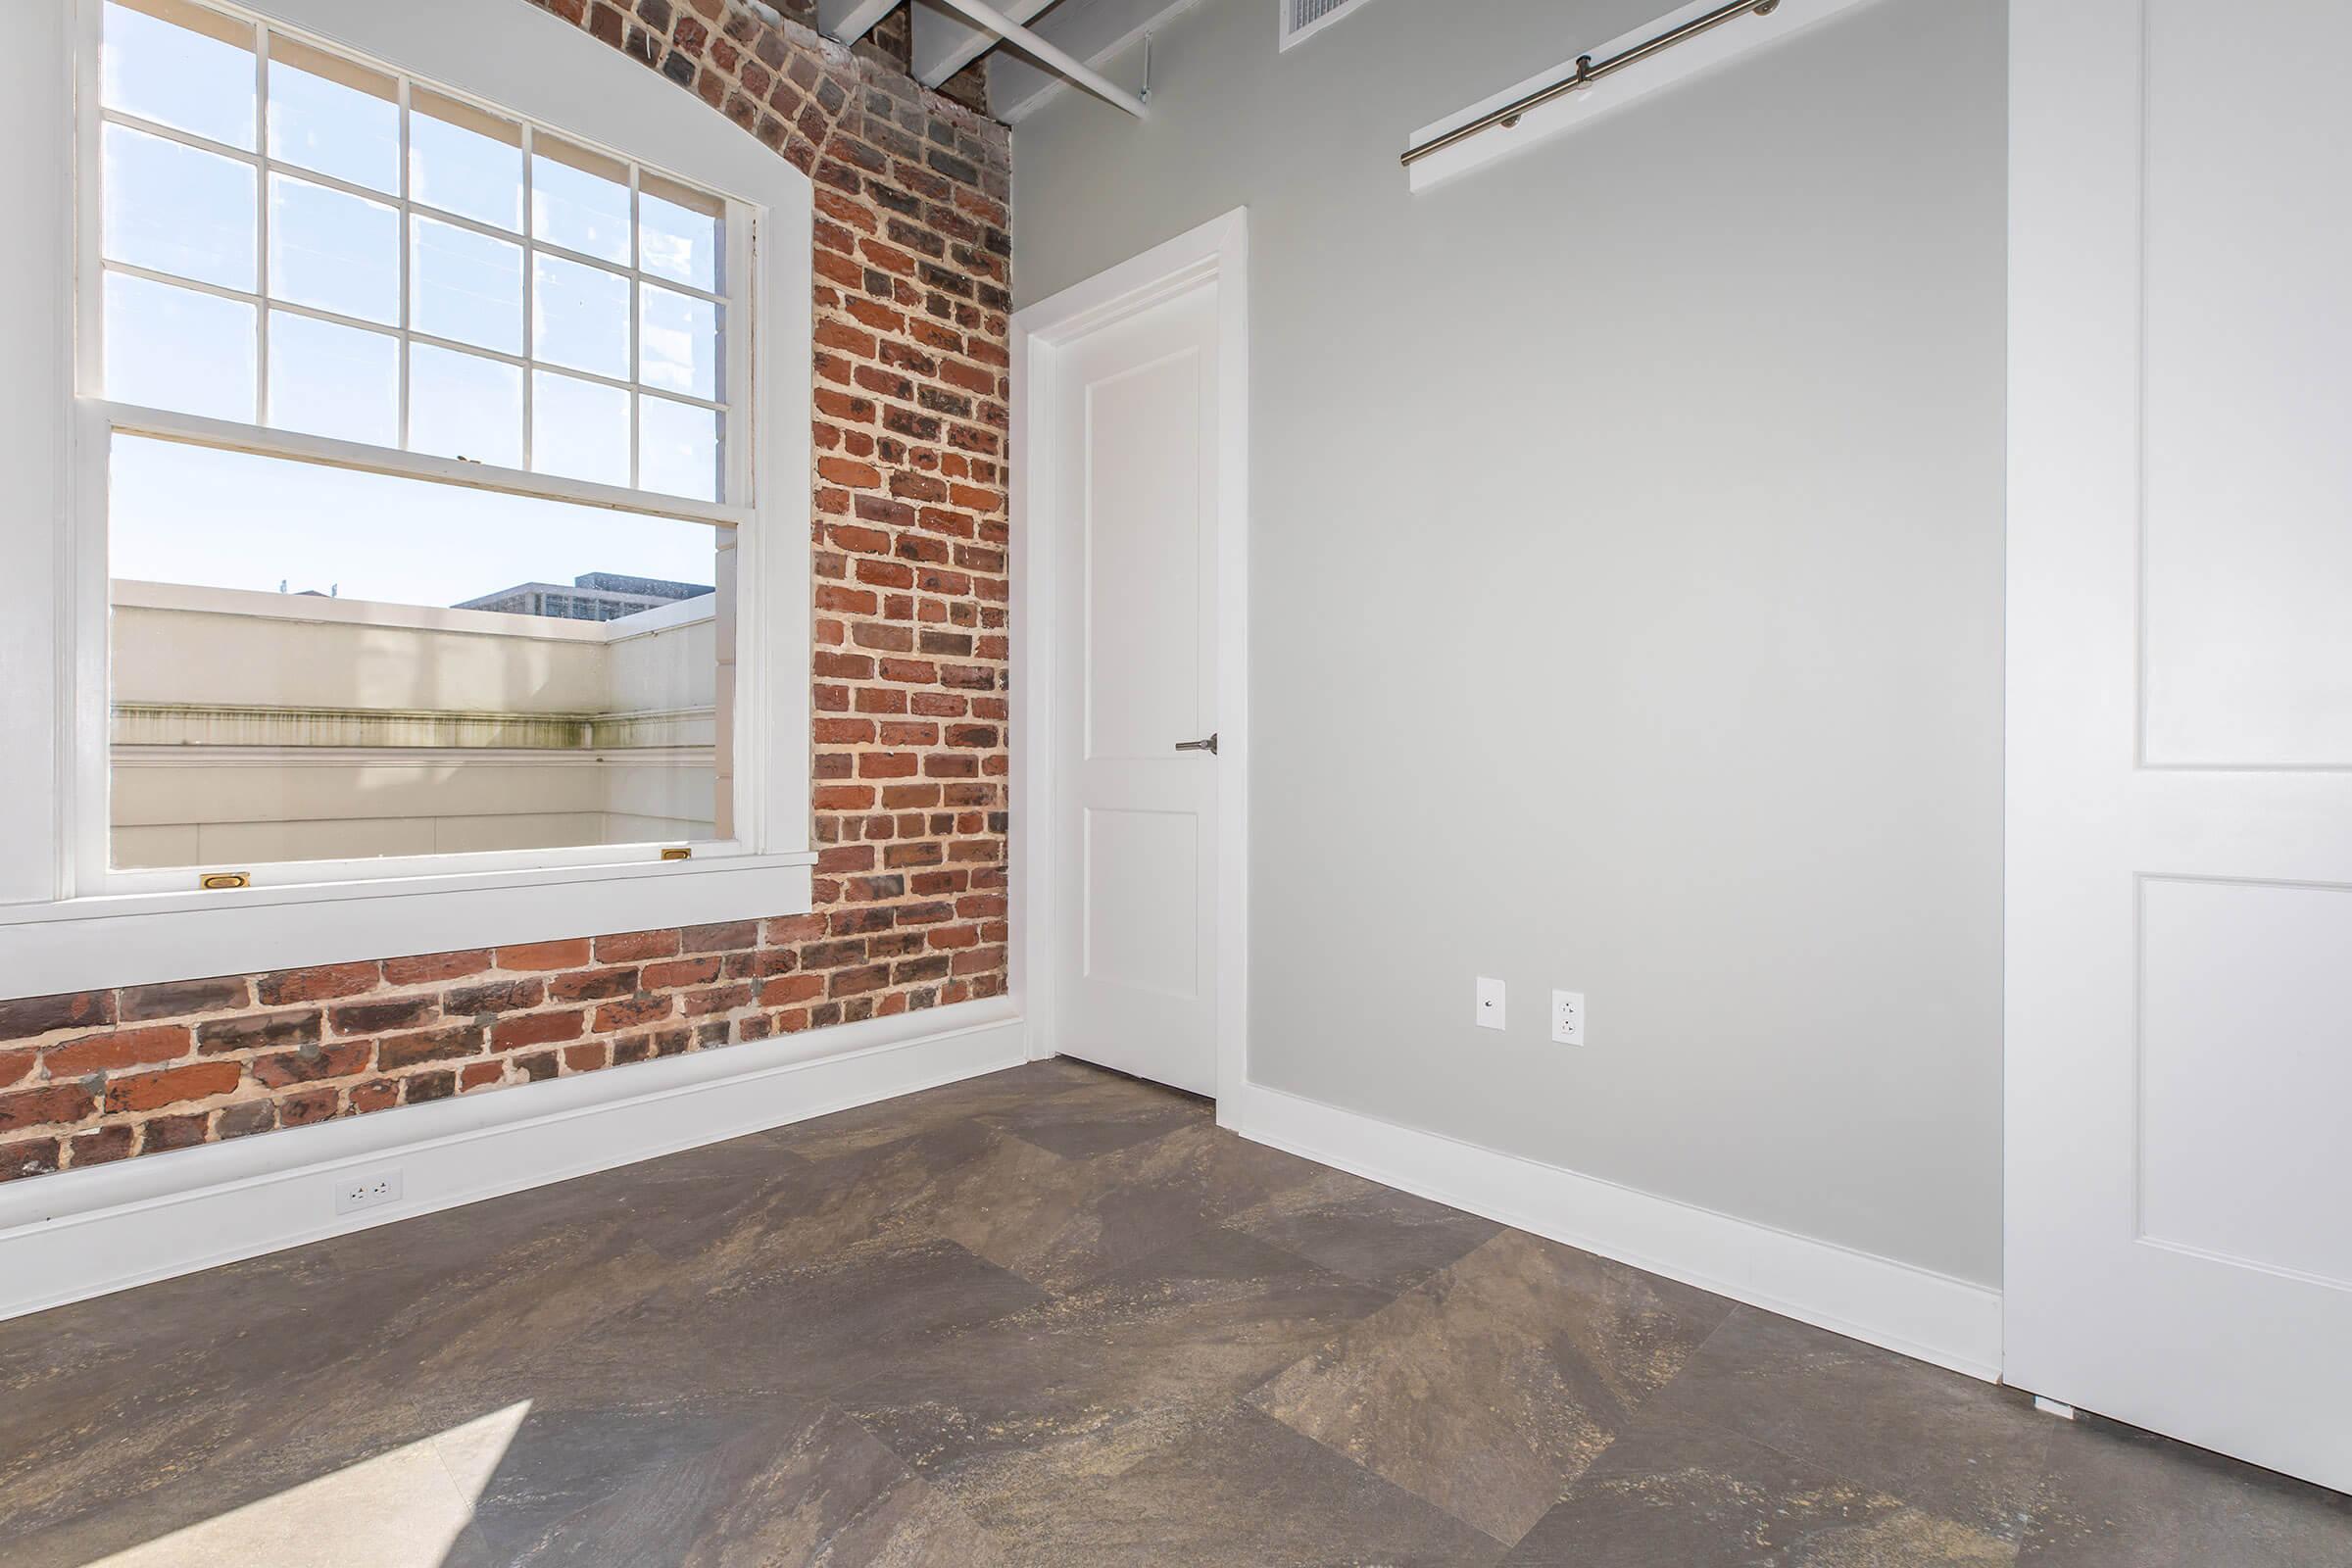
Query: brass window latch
point(678, 852)
point(221, 881)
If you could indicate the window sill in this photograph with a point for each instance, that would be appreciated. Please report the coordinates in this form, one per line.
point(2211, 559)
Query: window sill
point(139, 939)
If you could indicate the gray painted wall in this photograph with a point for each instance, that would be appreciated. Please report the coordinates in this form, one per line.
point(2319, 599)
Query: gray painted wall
point(1628, 588)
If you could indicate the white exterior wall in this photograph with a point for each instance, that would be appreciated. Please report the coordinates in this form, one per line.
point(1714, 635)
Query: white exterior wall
point(258, 727)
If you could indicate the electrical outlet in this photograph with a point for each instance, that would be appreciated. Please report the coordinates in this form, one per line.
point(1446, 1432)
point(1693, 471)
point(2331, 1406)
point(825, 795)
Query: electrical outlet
point(1489, 1002)
point(1568, 1018)
point(367, 1191)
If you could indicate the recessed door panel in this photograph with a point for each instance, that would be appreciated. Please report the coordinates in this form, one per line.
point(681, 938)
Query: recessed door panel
point(2247, 330)
point(2245, 1073)
point(1143, 558)
point(1142, 868)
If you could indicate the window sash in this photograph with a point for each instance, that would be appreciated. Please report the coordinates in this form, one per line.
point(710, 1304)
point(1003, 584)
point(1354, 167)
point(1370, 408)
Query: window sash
point(91, 817)
point(169, 424)
point(740, 223)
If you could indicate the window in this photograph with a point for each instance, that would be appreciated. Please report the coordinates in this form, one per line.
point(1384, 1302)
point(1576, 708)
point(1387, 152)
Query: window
point(437, 490)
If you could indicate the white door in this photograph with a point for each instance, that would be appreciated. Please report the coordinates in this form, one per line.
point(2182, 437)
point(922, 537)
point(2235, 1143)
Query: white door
point(1132, 457)
point(2179, 880)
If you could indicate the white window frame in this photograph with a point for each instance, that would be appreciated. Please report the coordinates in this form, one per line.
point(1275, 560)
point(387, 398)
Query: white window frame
point(67, 922)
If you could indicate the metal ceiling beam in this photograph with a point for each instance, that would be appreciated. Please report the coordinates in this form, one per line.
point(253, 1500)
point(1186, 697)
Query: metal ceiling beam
point(945, 43)
point(1049, 54)
point(1094, 29)
point(850, 20)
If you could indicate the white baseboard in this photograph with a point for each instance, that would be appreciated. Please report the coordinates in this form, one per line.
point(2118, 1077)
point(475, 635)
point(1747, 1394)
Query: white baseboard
point(84, 1233)
point(1899, 1307)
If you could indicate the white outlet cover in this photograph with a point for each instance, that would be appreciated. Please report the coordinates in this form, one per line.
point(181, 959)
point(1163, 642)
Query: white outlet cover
point(367, 1191)
point(1489, 1002)
point(1568, 1018)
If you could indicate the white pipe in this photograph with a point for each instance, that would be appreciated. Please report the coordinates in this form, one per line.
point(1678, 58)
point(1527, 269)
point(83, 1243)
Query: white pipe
point(936, 61)
point(847, 20)
point(1050, 53)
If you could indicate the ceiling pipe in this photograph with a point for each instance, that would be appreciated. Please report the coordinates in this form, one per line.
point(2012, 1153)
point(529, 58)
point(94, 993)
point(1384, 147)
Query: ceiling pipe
point(945, 43)
point(847, 20)
point(1050, 53)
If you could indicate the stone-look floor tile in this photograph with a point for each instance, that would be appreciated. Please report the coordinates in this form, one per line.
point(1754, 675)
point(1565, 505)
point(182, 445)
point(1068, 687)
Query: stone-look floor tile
point(1957, 1447)
point(1216, 1484)
point(1204, 1320)
point(401, 1508)
point(829, 1320)
point(1055, 1221)
point(1489, 1386)
point(118, 1418)
point(1100, 1117)
point(846, 1132)
point(1056, 1315)
point(94, 1340)
point(560, 1460)
point(812, 1489)
point(2115, 1498)
point(677, 1375)
point(227, 1396)
point(1232, 1174)
point(670, 1204)
point(209, 1413)
point(1445, 1398)
point(1060, 1222)
point(1008, 1200)
point(1682, 1493)
point(1364, 1230)
point(1635, 1330)
point(902, 1187)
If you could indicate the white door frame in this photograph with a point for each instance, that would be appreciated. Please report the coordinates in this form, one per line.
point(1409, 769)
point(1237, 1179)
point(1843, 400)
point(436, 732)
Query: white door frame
point(1214, 255)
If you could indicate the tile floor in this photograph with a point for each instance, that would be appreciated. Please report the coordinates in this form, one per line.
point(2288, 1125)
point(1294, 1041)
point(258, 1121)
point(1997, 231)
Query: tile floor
point(1051, 1317)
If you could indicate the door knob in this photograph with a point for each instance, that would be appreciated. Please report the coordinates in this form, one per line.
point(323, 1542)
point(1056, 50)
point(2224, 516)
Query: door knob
point(1209, 746)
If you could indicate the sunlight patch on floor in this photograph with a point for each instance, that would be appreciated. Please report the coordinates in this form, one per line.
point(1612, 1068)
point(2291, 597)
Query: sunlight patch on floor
point(404, 1508)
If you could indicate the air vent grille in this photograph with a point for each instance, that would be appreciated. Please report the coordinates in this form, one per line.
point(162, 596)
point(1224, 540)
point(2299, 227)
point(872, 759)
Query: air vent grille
point(1300, 18)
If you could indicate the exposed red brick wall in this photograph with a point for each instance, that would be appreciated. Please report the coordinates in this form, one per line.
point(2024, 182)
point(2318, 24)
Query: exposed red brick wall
point(908, 534)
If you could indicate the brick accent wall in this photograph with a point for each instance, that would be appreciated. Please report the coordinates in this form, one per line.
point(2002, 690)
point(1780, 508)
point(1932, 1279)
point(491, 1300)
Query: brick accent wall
point(908, 534)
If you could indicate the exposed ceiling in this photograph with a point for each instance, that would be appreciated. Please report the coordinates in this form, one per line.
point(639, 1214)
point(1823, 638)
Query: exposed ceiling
point(945, 41)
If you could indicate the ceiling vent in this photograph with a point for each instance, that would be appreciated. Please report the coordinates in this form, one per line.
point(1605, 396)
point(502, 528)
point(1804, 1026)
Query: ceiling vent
point(1303, 19)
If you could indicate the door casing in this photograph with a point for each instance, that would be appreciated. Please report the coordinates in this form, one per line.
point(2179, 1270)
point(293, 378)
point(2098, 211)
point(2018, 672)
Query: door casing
point(1216, 255)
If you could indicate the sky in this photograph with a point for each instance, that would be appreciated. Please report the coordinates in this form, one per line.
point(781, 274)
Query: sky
point(229, 519)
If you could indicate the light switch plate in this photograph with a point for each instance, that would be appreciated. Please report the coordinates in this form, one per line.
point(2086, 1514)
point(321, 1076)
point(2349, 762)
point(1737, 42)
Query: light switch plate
point(1489, 1002)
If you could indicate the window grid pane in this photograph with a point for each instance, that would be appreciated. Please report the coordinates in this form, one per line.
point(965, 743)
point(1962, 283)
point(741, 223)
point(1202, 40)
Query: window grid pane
point(598, 219)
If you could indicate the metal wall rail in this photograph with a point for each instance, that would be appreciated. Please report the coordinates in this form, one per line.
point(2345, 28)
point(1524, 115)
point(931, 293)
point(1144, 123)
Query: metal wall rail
point(1588, 72)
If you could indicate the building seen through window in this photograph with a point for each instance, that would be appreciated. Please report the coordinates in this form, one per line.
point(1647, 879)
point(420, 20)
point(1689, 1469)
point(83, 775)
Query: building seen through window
point(590, 596)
